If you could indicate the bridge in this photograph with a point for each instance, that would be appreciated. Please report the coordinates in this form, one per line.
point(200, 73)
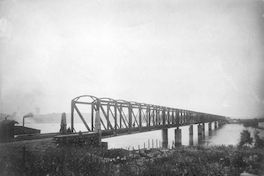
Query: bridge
point(119, 117)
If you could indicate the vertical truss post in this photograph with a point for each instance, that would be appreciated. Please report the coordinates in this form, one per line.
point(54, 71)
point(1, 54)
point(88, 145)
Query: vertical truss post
point(183, 113)
point(184, 117)
point(129, 115)
point(177, 117)
point(188, 117)
point(160, 116)
point(140, 116)
point(167, 116)
point(115, 115)
point(148, 116)
point(173, 116)
point(169, 120)
point(72, 115)
point(120, 116)
point(107, 116)
point(181, 117)
point(153, 116)
point(92, 116)
point(163, 117)
point(156, 116)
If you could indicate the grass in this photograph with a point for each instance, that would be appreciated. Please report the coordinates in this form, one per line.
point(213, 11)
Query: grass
point(43, 157)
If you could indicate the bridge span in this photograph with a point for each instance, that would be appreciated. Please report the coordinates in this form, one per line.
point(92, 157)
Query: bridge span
point(119, 117)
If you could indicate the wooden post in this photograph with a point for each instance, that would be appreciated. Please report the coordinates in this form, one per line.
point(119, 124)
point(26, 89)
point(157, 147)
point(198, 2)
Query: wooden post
point(148, 144)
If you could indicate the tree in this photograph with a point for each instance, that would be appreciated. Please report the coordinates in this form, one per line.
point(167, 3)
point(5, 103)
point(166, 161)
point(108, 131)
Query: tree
point(259, 143)
point(245, 138)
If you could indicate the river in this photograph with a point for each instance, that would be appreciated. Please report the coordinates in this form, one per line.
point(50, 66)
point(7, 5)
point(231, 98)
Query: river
point(228, 134)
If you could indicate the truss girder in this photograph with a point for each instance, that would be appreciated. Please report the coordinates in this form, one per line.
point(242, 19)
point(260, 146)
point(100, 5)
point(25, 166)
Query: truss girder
point(117, 115)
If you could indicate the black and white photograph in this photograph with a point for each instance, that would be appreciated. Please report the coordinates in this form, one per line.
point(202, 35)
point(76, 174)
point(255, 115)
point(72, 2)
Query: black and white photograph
point(131, 88)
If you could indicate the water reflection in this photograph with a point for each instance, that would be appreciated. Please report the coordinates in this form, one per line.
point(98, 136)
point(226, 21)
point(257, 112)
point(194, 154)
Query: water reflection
point(229, 134)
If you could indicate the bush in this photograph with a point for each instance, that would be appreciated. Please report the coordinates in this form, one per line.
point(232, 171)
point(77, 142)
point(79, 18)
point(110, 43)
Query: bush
point(245, 138)
point(259, 143)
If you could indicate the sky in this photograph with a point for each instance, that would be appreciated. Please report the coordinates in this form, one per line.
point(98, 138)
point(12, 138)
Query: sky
point(202, 55)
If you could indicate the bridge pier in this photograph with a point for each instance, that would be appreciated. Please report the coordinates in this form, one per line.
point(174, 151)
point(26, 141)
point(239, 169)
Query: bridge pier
point(98, 126)
point(177, 137)
point(63, 129)
point(203, 127)
point(215, 125)
point(220, 124)
point(200, 133)
point(191, 135)
point(210, 128)
point(164, 138)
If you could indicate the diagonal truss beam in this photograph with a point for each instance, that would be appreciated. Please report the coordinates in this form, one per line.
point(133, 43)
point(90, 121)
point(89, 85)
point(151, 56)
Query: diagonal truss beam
point(121, 114)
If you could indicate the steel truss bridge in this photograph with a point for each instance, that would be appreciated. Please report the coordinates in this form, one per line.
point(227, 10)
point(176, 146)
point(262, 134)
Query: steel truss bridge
point(122, 117)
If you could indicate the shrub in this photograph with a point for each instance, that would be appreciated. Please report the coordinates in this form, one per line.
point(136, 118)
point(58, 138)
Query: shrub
point(259, 143)
point(245, 138)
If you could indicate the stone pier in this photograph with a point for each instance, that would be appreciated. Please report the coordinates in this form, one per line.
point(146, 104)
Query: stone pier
point(200, 133)
point(220, 124)
point(178, 137)
point(97, 128)
point(165, 138)
point(191, 135)
point(210, 128)
point(203, 127)
point(215, 125)
point(191, 130)
point(63, 129)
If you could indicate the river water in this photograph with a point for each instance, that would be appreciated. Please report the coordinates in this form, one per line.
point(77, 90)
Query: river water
point(228, 134)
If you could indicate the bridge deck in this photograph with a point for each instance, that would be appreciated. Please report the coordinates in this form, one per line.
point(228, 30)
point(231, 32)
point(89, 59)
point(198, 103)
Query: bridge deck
point(115, 117)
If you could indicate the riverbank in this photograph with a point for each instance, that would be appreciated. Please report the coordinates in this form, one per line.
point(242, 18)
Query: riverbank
point(44, 157)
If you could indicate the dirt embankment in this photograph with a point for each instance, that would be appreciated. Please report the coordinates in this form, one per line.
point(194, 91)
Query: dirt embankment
point(44, 157)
